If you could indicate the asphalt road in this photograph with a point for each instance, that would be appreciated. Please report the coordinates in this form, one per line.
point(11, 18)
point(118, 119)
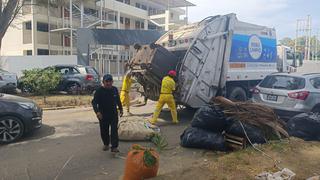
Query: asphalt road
point(68, 146)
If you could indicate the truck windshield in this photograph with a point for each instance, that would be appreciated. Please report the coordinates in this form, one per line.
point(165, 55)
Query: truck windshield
point(283, 82)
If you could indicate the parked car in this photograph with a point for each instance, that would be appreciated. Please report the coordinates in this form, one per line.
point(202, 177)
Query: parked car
point(77, 78)
point(289, 94)
point(17, 116)
point(8, 81)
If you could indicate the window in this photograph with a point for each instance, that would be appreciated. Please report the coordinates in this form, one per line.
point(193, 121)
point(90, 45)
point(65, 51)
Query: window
point(137, 24)
point(63, 70)
point(283, 82)
point(28, 25)
point(144, 7)
point(29, 52)
point(121, 20)
point(142, 25)
point(91, 12)
point(43, 52)
point(127, 1)
point(43, 27)
point(315, 82)
point(67, 41)
point(138, 5)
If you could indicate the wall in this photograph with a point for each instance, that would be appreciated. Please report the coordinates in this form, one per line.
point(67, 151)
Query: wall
point(309, 67)
point(17, 64)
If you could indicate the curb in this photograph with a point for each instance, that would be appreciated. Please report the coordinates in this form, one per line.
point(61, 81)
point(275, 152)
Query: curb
point(64, 107)
point(58, 108)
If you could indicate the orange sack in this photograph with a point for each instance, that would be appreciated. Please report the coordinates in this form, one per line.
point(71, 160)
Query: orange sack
point(141, 163)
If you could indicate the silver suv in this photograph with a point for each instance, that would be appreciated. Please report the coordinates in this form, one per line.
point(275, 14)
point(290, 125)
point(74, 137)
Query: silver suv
point(289, 94)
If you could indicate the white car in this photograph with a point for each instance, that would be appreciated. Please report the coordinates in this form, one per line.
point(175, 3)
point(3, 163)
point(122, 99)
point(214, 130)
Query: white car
point(289, 94)
point(8, 81)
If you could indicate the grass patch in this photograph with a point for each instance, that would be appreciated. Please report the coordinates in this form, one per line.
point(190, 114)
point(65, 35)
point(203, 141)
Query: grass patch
point(54, 101)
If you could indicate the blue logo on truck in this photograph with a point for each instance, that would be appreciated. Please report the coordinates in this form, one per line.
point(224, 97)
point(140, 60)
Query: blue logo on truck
point(253, 48)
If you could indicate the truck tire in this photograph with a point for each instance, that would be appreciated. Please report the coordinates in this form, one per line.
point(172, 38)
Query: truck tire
point(237, 94)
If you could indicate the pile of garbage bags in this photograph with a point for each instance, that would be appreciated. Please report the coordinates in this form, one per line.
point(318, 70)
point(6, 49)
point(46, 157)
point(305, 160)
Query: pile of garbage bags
point(209, 126)
point(305, 126)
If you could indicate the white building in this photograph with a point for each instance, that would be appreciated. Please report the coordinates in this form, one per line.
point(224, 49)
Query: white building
point(41, 32)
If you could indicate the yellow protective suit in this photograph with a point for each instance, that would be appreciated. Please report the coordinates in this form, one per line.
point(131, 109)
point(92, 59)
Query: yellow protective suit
point(167, 87)
point(124, 95)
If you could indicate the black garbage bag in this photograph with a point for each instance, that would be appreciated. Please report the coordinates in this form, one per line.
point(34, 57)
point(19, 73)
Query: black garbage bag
point(194, 137)
point(305, 126)
point(211, 118)
point(255, 134)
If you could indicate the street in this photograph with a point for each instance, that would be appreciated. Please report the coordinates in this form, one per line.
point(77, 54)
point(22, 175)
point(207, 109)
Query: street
point(68, 146)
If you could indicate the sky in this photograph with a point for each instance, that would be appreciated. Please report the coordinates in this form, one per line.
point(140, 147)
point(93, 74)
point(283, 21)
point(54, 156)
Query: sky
point(280, 14)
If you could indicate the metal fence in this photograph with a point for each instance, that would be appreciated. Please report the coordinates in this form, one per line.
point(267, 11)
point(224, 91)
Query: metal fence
point(110, 60)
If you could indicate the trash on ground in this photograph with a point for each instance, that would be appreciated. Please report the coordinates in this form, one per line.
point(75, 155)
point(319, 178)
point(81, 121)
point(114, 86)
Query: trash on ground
point(255, 134)
point(223, 123)
point(194, 137)
point(141, 163)
point(159, 141)
point(211, 118)
point(284, 174)
point(254, 114)
point(305, 126)
point(135, 129)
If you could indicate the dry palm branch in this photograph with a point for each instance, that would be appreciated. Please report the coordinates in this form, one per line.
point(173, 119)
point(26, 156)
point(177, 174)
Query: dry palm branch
point(254, 114)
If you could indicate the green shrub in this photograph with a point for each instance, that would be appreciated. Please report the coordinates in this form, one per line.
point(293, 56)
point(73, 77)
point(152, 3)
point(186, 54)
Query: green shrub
point(41, 81)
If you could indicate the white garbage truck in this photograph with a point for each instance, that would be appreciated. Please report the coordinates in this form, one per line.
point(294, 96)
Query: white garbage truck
point(218, 56)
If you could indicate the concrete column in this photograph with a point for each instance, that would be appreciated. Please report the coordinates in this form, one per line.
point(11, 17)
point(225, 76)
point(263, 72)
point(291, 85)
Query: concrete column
point(34, 29)
point(71, 27)
point(118, 20)
point(146, 23)
point(167, 20)
point(81, 13)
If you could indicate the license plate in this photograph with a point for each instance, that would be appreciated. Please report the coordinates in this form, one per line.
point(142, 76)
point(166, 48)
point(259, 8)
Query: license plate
point(272, 97)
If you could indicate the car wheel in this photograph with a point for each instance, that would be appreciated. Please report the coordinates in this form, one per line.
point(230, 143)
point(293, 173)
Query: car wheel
point(73, 88)
point(316, 109)
point(11, 129)
point(237, 94)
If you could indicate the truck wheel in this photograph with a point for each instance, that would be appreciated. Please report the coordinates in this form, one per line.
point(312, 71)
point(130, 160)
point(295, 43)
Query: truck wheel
point(237, 94)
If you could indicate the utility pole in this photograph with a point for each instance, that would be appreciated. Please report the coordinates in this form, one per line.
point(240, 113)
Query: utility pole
point(317, 43)
point(309, 37)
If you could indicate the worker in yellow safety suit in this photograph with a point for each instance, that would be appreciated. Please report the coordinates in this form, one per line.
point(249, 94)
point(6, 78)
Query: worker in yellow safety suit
point(166, 97)
point(124, 95)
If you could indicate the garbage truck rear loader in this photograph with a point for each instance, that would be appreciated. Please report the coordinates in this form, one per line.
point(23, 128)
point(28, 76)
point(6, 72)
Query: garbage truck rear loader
point(217, 56)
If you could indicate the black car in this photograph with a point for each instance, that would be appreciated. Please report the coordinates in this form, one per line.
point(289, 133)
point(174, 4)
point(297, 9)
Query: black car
point(77, 78)
point(17, 116)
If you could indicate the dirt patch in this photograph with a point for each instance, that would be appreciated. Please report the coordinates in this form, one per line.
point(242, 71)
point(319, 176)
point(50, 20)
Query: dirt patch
point(301, 157)
point(62, 100)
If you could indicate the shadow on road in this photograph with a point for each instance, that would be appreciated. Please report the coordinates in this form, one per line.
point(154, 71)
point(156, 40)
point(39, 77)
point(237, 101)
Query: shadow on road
point(44, 131)
point(184, 115)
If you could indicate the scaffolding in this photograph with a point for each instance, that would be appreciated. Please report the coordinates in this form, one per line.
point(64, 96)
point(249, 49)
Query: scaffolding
point(96, 14)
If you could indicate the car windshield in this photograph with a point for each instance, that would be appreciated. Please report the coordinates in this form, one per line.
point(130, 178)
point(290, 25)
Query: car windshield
point(315, 82)
point(91, 70)
point(82, 70)
point(283, 82)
